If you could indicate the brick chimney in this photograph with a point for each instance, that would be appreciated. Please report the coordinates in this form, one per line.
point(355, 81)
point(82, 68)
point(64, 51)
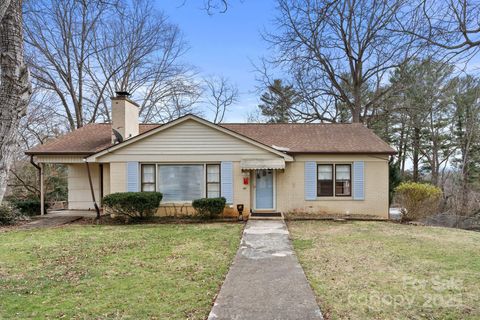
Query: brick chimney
point(124, 116)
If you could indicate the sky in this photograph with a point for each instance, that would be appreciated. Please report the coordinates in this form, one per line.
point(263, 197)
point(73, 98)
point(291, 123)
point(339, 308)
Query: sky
point(225, 44)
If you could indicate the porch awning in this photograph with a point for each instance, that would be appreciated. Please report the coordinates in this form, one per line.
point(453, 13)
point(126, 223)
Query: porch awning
point(253, 164)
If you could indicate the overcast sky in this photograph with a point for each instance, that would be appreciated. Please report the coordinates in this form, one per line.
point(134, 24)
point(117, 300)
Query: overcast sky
point(224, 44)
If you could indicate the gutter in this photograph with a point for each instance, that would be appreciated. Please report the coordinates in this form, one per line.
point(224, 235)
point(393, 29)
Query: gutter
point(34, 164)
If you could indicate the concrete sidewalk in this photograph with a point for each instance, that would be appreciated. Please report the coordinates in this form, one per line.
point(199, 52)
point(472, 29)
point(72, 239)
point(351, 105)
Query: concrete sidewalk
point(265, 281)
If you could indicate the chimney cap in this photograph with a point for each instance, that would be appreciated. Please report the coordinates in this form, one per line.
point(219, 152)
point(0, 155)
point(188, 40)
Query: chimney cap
point(123, 93)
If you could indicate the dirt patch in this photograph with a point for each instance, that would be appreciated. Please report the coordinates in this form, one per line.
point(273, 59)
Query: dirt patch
point(107, 220)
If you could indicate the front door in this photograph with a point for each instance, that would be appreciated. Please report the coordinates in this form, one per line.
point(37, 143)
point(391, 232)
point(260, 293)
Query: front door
point(264, 190)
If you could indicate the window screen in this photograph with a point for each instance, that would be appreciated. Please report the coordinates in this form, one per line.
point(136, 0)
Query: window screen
point(181, 182)
point(148, 177)
point(342, 180)
point(325, 180)
point(213, 180)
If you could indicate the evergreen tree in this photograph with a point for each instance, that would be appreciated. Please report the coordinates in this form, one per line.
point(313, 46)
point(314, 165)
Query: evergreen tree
point(278, 101)
point(466, 103)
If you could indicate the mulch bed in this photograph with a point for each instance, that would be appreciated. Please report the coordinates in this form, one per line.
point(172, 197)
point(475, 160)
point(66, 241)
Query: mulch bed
point(107, 220)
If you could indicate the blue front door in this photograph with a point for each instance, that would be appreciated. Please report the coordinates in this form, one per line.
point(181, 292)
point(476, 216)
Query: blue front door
point(264, 189)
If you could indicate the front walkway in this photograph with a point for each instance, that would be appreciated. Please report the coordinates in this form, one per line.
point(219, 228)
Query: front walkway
point(265, 281)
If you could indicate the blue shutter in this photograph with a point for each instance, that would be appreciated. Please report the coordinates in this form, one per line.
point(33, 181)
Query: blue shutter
point(226, 178)
point(132, 176)
point(358, 180)
point(310, 180)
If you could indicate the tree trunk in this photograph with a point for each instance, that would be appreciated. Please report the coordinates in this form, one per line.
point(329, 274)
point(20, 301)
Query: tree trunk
point(357, 105)
point(15, 87)
point(416, 153)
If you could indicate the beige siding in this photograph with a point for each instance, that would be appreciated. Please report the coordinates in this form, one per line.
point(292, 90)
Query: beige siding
point(186, 142)
point(79, 194)
point(290, 188)
point(241, 192)
point(118, 177)
point(106, 179)
point(59, 159)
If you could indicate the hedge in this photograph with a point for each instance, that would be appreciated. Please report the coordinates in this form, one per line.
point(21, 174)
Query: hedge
point(28, 207)
point(133, 205)
point(8, 215)
point(209, 208)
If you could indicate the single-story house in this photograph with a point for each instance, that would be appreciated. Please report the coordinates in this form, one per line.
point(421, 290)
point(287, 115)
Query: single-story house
point(332, 169)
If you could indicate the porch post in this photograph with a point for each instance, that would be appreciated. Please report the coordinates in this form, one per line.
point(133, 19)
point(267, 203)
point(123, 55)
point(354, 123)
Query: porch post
point(42, 189)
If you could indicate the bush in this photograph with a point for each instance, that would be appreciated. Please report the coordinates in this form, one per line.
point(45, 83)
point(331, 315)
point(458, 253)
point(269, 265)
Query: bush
point(209, 208)
point(8, 215)
point(419, 200)
point(133, 205)
point(29, 207)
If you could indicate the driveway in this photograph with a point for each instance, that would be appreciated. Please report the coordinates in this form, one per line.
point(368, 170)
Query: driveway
point(265, 280)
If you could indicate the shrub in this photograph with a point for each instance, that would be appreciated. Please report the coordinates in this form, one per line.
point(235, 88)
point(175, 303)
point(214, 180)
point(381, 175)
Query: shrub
point(419, 200)
point(133, 205)
point(8, 215)
point(28, 207)
point(209, 208)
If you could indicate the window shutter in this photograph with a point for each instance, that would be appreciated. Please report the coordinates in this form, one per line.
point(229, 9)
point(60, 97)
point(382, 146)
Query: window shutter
point(310, 180)
point(226, 178)
point(132, 176)
point(358, 180)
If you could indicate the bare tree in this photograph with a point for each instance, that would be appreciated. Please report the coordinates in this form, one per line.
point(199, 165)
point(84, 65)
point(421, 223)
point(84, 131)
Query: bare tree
point(145, 61)
point(453, 25)
point(15, 87)
point(466, 103)
point(214, 6)
point(85, 50)
point(339, 52)
point(60, 38)
point(219, 95)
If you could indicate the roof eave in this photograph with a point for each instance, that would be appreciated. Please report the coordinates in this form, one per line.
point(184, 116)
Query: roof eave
point(345, 152)
point(57, 153)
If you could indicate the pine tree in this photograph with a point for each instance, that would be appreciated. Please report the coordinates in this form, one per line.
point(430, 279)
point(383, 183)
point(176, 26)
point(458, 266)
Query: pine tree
point(278, 101)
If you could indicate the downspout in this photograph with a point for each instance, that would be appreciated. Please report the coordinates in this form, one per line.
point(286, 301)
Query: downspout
point(97, 209)
point(36, 166)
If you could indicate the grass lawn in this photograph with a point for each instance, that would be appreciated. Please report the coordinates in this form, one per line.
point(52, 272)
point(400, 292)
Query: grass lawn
point(377, 270)
point(115, 272)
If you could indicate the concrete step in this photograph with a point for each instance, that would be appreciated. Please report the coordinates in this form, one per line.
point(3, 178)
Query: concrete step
point(266, 216)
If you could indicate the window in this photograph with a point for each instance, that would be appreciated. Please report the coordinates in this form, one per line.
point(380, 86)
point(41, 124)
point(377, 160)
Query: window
point(213, 180)
point(342, 180)
point(325, 180)
point(181, 182)
point(148, 177)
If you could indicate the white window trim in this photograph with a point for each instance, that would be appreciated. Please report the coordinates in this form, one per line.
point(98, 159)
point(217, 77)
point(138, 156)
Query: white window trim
point(157, 164)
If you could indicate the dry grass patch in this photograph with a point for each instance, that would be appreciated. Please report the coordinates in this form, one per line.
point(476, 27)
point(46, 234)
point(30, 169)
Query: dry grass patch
point(376, 270)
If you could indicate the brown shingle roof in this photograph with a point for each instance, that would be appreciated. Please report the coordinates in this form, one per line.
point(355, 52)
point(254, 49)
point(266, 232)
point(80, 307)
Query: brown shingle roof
point(315, 137)
point(89, 139)
point(298, 138)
